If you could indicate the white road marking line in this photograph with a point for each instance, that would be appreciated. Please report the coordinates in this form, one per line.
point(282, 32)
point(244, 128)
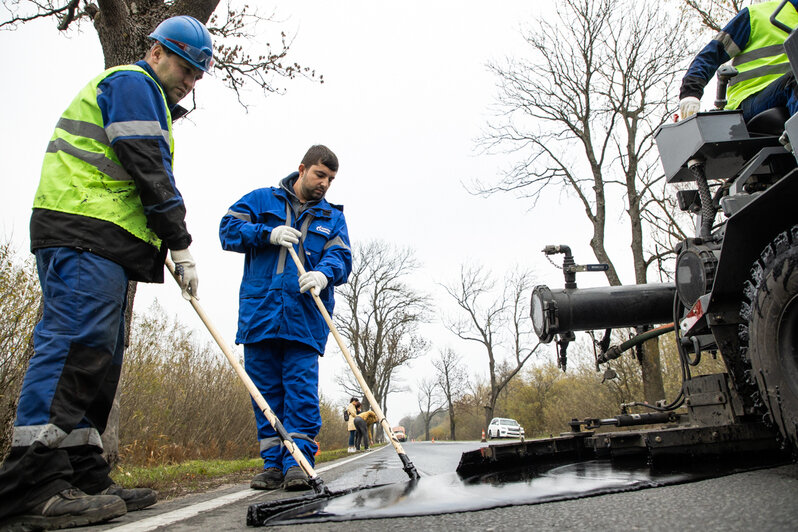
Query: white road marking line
point(151, 523)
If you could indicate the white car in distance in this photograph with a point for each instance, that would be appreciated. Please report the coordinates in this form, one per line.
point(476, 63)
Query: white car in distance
point(502, 427)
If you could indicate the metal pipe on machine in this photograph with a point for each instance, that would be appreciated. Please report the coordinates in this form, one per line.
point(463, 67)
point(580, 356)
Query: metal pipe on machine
point(566, 310)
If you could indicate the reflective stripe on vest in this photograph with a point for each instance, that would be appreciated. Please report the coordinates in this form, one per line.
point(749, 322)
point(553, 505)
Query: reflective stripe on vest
point(764, 59)
point(81, 173)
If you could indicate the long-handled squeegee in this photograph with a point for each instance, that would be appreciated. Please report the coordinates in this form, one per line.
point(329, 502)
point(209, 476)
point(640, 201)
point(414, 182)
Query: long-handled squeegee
point(315, 481)
point(258, 514)
point(408, 466)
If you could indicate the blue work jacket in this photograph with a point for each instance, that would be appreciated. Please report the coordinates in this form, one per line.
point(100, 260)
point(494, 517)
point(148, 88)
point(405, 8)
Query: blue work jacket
point(270, 304)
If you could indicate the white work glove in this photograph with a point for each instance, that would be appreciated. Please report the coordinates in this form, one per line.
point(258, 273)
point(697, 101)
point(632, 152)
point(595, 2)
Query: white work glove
point(284, 235)
point(688, 107)
point(315, 280)
point(186, 270)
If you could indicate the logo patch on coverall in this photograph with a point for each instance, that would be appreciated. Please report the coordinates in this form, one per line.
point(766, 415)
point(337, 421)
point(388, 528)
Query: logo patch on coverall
point(322, 229)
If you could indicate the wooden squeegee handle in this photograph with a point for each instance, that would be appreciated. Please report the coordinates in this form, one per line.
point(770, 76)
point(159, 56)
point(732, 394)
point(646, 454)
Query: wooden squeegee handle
point(351, 361)
point(251, 388)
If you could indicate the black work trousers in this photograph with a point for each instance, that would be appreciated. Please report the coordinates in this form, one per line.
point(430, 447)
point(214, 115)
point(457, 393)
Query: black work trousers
point(361, 433)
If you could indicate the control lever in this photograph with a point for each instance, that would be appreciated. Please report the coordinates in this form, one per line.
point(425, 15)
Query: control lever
point(725, 73)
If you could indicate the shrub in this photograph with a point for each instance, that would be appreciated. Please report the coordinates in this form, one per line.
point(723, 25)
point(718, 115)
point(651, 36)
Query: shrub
point(20, 298)
point(180, 399)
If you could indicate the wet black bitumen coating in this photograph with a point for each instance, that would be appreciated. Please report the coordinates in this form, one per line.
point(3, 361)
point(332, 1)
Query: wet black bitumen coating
point(448, 493)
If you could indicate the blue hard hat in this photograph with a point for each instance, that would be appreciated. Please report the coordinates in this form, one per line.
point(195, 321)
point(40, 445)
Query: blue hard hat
point(188, 38)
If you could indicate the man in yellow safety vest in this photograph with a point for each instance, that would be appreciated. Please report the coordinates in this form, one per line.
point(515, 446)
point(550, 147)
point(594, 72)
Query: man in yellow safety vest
point(106, 211)
point(756, 49)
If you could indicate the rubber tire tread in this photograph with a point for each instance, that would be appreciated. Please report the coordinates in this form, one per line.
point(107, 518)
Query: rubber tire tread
point(774, 279)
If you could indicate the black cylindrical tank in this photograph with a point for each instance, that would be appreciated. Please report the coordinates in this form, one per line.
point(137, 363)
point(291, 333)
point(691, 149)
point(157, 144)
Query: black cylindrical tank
point(582, 309)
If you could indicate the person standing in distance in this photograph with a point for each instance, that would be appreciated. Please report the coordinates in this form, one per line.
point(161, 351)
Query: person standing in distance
point(352, 410)
point(363, 421)
point(281, 328)
point(106, 211)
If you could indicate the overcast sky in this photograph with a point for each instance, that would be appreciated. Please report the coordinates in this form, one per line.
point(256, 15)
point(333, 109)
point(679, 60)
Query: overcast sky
point(406, 95)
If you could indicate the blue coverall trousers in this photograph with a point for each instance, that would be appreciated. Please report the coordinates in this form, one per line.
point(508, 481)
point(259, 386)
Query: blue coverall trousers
point(783, 92)
point(69, 387)
point(287, 374)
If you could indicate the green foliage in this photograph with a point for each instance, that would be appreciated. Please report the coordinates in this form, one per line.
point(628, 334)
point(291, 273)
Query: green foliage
point(158, 476)
point(182, 477)
point(20, 297)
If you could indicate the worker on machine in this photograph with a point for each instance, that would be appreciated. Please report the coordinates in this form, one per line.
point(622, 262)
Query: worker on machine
point(756, 49)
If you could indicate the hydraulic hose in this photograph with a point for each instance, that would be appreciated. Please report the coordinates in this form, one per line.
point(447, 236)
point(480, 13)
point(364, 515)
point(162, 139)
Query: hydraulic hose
point(672, 406)
point(708, 209)
point(616, 350)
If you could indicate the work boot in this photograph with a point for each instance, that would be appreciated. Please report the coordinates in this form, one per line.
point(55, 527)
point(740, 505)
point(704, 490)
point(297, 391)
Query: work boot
point(135, 499)
point(68, 508)
point(295, 479)
point(269, 479)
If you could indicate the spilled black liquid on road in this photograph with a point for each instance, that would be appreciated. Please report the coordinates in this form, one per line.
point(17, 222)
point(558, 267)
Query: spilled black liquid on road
point(448, 493)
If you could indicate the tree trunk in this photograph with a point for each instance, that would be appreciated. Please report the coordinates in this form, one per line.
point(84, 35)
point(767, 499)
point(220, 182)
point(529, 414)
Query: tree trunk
point(489, 413)
point(653, 387)
point(123, 35)
point(110, 436)
point(650, 368)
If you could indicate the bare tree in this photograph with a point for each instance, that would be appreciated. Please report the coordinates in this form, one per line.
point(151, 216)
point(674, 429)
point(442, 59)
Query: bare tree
point(381, 316)
point(714, 14)
point(581, 113)
point(123, 26)
point(498, 323)
point(450, 379)
point(430, 403)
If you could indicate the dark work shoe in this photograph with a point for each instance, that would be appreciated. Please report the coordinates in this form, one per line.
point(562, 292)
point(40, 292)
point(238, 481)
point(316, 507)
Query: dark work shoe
point(68, 508)
point(295, 479)
point(269, 479)
point(135, 499)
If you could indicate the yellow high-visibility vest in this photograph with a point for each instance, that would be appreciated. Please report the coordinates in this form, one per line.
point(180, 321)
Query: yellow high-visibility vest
point(81, 173)
point(763, 60)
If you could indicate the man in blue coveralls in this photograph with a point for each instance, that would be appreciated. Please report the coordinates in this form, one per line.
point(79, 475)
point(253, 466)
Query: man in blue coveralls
point(282, 330)
point(106, 211)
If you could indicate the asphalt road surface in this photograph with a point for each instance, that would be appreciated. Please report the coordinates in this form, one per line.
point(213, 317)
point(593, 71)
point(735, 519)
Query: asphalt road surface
point(761, 500)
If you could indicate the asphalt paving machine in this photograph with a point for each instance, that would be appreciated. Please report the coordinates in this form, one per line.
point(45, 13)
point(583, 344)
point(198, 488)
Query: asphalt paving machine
point(735, 294)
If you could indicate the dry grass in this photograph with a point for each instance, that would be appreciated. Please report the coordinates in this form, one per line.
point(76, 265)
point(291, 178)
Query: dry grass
point(19, 302)
point(198, 475)
point(181, 401)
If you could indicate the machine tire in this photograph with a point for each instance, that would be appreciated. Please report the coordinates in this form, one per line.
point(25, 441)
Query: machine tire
point(772, 315)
